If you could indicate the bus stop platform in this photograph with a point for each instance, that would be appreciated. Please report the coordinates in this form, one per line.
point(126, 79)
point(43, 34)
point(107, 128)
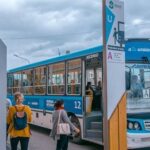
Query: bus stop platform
point(8, 147)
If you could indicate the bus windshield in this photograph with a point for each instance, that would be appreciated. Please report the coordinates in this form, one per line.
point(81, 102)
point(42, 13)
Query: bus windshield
point(138, 88)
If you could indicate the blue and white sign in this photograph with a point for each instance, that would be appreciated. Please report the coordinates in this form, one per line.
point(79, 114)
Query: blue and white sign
point(115, 55)
point(115, 25)
point(137, 49)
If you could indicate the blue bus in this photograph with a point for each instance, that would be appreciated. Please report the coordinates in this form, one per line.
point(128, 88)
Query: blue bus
point(68, 78)
point(138, 92)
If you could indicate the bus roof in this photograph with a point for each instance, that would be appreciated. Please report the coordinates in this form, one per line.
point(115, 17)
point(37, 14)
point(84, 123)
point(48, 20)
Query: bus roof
point(72, 55)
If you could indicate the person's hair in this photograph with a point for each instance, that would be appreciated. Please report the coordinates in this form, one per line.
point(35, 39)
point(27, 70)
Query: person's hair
point(58, 104)
point(18, 94)
point(88, 85)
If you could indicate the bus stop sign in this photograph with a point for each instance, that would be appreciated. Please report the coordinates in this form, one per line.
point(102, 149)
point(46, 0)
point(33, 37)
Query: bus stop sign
point(114, 76)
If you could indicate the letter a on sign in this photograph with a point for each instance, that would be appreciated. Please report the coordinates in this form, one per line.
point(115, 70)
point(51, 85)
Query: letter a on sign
point(109, 55)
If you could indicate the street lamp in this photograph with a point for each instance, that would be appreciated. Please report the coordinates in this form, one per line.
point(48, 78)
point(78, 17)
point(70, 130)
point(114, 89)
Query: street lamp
point(59, 52)
point(22, 58)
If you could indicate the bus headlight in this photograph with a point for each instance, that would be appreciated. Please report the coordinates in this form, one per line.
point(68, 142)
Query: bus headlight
point(133, 125)
point(136, 126)
point(130, 125)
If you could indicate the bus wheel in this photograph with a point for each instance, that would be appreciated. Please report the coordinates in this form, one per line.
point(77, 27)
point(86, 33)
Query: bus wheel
point(75, 138)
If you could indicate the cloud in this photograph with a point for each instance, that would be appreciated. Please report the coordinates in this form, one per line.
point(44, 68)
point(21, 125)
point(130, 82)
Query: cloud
point(36, 29)
point(137, 16)
point(137, 21)
point(31, 27)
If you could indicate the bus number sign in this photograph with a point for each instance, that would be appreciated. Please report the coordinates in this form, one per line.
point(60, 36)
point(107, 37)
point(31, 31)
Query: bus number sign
point(93, 60)
point(77, 105)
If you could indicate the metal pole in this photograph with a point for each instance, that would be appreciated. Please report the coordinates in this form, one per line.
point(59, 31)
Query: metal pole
point(105, 121)
point(22, 58)
point(59, 52)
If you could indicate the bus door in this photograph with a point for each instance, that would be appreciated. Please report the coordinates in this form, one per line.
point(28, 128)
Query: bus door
point(93, 97)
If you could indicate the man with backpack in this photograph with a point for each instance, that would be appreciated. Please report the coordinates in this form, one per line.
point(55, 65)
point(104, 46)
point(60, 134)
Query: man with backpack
point(17, 119)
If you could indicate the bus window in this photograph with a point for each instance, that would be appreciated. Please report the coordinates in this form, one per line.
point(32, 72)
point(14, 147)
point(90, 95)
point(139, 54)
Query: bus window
point(94, 79)
point(138, 94)
point(17, 82)
point(56, 79)
point(90, 76)
point(40, 81)
point(146, 79)
point(9, 83)
point(98, 76)
point(94, 82)
point(27, 82)
point(74, 77)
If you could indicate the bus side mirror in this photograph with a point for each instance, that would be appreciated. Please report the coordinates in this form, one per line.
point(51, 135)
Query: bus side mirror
point(128, 80)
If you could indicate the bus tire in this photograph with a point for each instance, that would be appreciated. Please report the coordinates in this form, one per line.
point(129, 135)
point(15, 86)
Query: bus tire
point(77, 138)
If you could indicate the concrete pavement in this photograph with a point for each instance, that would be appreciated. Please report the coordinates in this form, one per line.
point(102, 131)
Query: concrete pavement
point(40, 140)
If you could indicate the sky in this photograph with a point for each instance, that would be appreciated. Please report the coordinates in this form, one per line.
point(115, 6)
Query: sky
point(41, 29)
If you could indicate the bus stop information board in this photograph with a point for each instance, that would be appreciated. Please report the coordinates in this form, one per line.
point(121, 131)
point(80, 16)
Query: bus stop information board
point(114, 75)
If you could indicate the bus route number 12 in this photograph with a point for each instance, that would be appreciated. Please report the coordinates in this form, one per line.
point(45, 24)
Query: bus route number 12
point(77, 105)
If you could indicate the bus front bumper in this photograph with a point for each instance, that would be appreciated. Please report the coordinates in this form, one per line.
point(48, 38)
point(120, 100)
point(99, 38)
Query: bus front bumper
point(138, 140)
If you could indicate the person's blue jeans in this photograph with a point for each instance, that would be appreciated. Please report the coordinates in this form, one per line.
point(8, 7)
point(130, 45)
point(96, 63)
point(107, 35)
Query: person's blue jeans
point(24, 141)
point(62, 143)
